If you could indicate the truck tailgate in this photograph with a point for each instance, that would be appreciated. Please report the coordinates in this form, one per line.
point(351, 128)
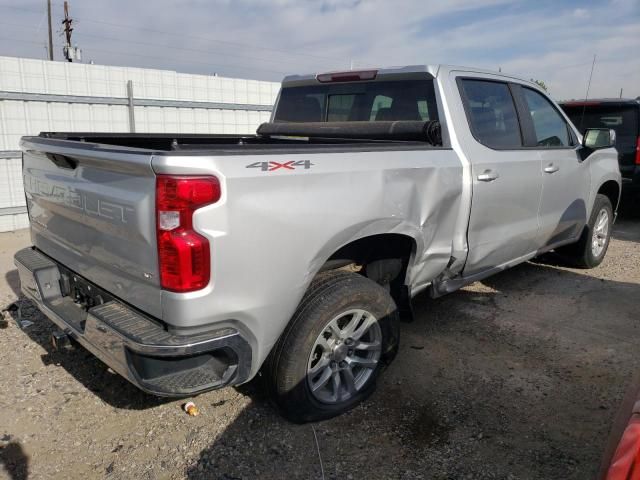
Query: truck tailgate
point(91, 208)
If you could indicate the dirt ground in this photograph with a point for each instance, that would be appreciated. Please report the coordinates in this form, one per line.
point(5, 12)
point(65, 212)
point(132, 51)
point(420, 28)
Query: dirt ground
point(517, 377)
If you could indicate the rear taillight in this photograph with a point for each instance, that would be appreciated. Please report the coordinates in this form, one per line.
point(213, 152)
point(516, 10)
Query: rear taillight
point(183, 254)
point(638, 151)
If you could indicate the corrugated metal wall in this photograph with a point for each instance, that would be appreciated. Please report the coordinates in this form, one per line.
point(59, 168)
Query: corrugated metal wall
point(39, 95)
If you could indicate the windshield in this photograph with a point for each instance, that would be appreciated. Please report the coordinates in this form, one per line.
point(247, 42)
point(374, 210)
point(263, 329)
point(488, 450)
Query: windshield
point(347, 102)
point(624, 120)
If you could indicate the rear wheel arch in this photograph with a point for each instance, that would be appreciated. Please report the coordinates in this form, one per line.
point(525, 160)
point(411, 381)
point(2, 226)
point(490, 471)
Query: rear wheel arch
point(384, 258)
point(365, 251)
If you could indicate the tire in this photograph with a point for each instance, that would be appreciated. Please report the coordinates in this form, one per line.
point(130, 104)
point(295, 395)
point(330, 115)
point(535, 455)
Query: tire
point(592, 247)
point(301, 358)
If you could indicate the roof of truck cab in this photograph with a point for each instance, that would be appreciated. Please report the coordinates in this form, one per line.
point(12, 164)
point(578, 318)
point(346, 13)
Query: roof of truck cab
point(609, 102)
point(433, 70)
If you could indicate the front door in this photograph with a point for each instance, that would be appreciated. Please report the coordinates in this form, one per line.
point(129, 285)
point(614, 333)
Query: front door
point(565, 177)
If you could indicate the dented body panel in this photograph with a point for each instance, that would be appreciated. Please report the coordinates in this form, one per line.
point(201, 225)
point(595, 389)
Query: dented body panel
point(299, 218)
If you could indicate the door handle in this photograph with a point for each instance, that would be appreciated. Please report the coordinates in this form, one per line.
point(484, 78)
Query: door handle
point(488, 176)
point(551, 168)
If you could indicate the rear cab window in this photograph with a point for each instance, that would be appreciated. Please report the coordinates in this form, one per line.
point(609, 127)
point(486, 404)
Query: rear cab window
point(378, 100)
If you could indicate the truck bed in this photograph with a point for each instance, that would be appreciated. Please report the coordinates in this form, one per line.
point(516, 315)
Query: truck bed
point(91, 196)
point(274, 136)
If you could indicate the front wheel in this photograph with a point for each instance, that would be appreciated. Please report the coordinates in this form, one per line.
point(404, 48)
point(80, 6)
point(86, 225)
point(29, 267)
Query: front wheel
point(594, 242)
point(343, 333)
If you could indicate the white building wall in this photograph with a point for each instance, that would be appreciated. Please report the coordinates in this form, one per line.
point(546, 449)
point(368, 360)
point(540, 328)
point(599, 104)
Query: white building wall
point(31, 76)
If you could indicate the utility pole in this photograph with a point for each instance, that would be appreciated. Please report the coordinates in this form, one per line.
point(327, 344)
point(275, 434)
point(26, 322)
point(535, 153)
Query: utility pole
point(70, 53)
point(50, 31)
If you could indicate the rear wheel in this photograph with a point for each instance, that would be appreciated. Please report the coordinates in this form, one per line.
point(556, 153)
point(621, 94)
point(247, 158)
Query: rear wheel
point(594, 242)
point(343, 333)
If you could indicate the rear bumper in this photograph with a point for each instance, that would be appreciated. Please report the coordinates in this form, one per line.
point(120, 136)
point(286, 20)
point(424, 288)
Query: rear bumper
point(132, 344)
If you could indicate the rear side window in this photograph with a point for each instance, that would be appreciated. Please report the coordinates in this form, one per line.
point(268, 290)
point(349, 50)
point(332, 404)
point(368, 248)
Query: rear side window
point(492, 113)
point(358, 101)
point(550, 127)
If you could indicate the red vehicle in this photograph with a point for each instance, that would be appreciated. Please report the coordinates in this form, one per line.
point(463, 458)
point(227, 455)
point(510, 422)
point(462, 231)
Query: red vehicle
point(621, 460)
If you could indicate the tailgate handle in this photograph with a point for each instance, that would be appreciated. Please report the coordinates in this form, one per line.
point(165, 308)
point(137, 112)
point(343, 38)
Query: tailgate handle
point(62, 161)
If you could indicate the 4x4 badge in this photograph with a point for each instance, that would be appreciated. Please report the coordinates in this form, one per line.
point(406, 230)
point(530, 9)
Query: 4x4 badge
point(290, 165)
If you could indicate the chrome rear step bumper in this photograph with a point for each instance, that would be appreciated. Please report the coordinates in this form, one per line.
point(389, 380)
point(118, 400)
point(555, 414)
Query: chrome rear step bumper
point(135, 346)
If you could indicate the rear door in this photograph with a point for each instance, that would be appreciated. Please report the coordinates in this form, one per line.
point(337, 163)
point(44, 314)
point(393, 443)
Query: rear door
point(503, 224)
point(565, 177)
point(92, 208)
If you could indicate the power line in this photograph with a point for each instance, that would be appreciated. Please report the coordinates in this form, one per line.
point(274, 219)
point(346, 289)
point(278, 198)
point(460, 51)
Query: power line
point(187, 49)
point(207, 39)
point(164, 46)
point(210, 64)
point(191, 60)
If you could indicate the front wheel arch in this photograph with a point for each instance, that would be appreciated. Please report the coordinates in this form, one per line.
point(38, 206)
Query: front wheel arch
point(611, 190)
point(581, 254)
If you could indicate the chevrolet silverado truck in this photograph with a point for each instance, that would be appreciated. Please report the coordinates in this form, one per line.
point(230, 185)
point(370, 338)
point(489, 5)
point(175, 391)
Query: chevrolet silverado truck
point(192, 262)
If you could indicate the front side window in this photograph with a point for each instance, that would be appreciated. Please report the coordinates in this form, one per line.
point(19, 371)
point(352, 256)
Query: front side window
point(550, 128)
point(492, 113)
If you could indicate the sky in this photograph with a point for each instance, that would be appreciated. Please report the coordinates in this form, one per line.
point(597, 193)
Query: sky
point(552, 41)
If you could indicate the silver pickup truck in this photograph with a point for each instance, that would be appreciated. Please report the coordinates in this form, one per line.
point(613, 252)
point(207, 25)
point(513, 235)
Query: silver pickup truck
point(192, 262)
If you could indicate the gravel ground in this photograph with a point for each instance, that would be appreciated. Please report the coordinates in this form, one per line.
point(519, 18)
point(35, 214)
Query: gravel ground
point(516, 377)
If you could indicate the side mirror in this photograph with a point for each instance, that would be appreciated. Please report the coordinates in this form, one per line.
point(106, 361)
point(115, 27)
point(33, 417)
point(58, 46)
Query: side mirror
point(597, 138)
